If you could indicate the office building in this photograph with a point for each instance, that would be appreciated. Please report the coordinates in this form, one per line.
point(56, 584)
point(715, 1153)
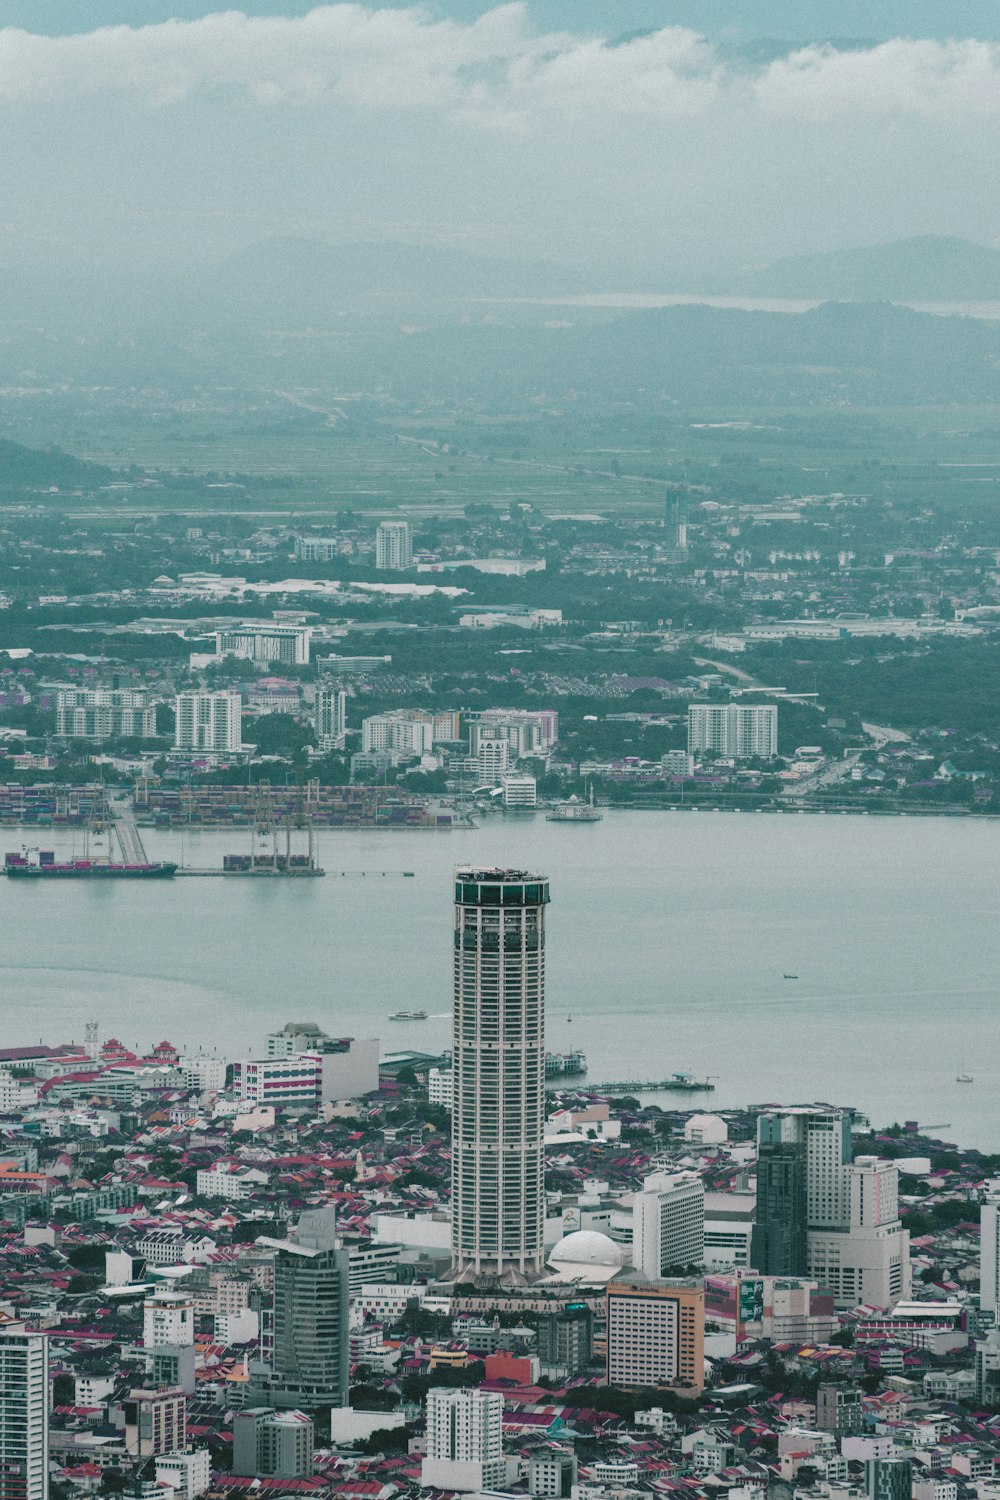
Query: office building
point(394, 547)
point(208, 722)
point(498, 1070)
point(167, 1319)
point(464, 1440)
point(779, 1242)
point(24, 1414)
point(187, 1474)
point(839, 1409)
point(330, 717)
point(266, 642)
point(668, 1224)
point(552, 1473)
point(288, 1083)
point(736, 731)
point(270, 1443)
point(172, 1365)
point(656, 1335)
point(519, 791)
point(677, 763)
point(729, 1225)
point(565, 1341)
point(154, 1422)
point(310, 1326)
point(987, 1369)
point(888, 1478)
point(104, 714)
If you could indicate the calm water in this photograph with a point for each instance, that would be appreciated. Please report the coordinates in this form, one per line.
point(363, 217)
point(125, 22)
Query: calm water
point(669, 936)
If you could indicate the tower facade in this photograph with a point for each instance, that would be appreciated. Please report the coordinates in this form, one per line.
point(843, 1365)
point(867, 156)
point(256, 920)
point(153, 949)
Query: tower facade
point(498, 1050)
point(310, 1359)
point(394, 547)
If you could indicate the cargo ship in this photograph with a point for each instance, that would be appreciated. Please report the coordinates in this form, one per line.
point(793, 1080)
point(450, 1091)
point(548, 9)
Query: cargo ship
point(46, 867)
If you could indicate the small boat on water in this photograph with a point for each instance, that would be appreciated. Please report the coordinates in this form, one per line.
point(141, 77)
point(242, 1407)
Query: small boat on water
point(409, 1015)
point(791, 976)
point(963, 1075)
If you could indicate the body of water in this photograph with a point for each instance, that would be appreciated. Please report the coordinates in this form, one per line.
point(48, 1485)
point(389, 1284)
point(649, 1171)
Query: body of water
point(669, 936)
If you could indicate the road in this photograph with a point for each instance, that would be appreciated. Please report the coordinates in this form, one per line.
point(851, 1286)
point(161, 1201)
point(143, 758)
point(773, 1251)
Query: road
point(132, 849)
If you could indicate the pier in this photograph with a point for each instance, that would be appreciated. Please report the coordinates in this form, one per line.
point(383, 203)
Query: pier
point(679, 1082)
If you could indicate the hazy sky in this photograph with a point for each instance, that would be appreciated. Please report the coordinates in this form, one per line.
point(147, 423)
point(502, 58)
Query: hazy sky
point(633, 133)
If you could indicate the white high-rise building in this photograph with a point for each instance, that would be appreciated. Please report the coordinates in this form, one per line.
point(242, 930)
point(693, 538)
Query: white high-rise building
point(989, 1249)
point(402, 730)
point(498, 1070)
point(394, 547)
point(868, 1259)
point(738, 731)
point(167, 1319)
point(330, 716)
point(24, 1414)
point(464, 1440)
point(668, 1223)
point(492, 760)
point(209, 722)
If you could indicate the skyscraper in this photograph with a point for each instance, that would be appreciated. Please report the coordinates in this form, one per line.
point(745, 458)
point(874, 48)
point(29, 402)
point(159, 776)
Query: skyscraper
point(394, 547)
point(498, 1047)
point(24, 1429)
point(989, 1249)
point(310, 1365)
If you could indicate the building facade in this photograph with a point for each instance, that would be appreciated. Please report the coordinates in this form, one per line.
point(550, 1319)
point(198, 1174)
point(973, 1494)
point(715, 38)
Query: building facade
point(104, 714)
point(266, 642)
point(498, 1070)
point(736, 730)
point(270, 1443)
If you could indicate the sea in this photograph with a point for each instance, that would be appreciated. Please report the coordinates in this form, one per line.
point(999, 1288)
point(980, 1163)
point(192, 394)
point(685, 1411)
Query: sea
point(786, 958)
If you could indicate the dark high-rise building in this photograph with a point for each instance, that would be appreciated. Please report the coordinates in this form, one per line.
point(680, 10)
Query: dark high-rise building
point(889, 1478)
point(779, 1246)
point(498, 1050)
point(566, 1340)
point(310, 1362)
point(839, 1409)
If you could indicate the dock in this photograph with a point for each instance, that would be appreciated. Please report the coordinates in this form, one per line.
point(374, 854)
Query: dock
point(679, 1083)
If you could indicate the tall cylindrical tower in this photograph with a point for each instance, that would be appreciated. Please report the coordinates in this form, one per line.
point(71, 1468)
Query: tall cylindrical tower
point(498, 1043)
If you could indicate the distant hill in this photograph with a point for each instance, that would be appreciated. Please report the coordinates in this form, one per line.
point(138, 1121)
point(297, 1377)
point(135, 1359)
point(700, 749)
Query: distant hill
point(931, 268)
point(42, 468)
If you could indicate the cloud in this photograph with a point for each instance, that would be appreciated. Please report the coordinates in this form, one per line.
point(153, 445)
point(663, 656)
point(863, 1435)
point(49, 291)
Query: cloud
point(495, 72)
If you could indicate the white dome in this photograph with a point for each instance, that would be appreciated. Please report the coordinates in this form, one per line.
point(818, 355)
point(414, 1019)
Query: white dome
point(587, 1247)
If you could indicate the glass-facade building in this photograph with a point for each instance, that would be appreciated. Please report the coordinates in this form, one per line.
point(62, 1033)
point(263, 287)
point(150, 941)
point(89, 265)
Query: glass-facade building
point(498, 1050)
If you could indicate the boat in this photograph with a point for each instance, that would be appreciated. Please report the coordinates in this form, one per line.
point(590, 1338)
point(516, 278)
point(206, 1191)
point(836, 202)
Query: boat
point(575, 811)
point(791, 976)
point(409, 1015)
point(19, 867)
point(963, 1075)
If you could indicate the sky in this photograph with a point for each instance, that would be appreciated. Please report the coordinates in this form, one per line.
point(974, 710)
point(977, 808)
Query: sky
point(650, 137)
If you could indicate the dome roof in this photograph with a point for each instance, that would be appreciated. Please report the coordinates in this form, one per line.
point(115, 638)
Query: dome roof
point(587, 1247)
